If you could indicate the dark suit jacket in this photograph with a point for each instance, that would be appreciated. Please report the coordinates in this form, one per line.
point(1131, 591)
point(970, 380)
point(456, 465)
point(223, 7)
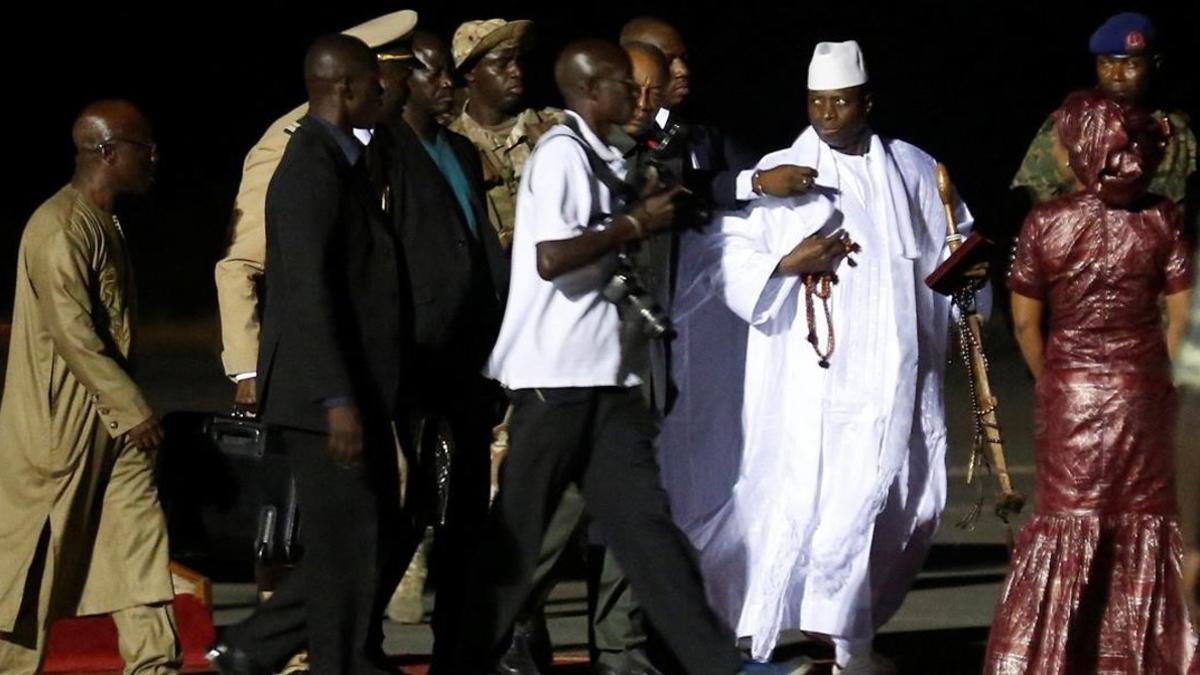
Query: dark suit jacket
point(714, 184)
point(333, 311)
point(458, 279)
point(720, 160)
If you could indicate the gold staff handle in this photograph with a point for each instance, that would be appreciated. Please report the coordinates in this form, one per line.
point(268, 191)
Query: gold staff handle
point(1010, 501)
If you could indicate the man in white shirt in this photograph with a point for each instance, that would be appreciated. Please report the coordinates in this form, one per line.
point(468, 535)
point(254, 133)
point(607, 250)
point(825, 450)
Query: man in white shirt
point(578, 415)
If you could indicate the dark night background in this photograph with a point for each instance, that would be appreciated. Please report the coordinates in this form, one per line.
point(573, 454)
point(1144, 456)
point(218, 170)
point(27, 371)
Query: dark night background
point(968, 81)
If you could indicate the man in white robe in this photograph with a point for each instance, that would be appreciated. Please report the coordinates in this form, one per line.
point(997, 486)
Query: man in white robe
point(841, 476)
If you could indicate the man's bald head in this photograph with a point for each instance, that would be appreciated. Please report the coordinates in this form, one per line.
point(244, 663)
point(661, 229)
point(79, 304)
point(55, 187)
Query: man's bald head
point(666, 38)
point(114, 143)
point(332, 58)
point(648, 29)
point(595, 80)
point(647, 56)
point(582, 62)
point(342, 79)
point(431, 86)
point(651, 73)
point(103, 120)
point(425, 41)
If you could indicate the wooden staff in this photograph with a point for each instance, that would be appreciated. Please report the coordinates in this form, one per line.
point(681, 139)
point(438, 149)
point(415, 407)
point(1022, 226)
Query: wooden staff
point(1010, 501)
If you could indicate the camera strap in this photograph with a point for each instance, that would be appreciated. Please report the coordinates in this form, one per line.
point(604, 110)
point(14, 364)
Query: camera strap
point(623, 193)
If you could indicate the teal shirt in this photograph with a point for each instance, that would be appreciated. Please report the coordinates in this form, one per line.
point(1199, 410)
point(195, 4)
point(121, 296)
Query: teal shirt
point(443, 155)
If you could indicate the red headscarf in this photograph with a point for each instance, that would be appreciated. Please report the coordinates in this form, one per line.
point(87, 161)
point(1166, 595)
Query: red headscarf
point(1114, 148)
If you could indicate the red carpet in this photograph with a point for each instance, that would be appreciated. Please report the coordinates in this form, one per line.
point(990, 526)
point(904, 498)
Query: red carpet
point(89, 644)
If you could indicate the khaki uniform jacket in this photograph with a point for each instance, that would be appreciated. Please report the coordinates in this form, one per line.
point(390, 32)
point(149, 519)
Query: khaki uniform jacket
point(504, 161)
point(239, 273)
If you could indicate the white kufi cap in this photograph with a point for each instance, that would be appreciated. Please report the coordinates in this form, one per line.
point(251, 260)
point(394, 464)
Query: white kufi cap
point(836, 65)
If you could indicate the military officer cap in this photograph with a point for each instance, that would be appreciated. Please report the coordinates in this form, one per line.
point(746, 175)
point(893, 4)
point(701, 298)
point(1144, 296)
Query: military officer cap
point(383, 34)
point(1124, 34)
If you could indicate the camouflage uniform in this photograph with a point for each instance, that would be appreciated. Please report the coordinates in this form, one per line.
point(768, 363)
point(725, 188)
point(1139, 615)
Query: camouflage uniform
point(1045, 172)
point(504, 161)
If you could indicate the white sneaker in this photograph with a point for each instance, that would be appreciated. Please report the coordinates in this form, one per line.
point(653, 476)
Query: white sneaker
point(866, 664)
point(801, 665)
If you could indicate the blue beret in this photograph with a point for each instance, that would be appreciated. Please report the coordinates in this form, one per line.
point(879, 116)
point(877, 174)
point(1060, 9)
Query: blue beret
point(1124, 34)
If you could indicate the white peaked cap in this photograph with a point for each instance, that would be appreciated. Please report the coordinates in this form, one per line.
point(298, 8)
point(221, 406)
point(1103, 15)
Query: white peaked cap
point(836, 65)
point(385, 29)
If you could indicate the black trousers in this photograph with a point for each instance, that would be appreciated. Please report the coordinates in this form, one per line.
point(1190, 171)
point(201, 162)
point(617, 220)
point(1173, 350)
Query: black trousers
point(472, 405)
point(326, 603)
point(602, 439)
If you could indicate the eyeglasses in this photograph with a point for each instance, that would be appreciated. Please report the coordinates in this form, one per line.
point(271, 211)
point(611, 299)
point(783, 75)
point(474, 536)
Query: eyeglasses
point(151, 146)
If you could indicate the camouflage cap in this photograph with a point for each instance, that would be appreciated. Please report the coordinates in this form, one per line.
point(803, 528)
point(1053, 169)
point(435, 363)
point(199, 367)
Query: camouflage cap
point(475, 38)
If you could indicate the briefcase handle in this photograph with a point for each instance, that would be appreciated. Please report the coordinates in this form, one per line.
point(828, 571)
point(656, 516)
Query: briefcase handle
point(237, 436)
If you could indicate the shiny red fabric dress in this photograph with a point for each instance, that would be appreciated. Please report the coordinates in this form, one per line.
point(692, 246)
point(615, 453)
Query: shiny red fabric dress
point(1094, 582)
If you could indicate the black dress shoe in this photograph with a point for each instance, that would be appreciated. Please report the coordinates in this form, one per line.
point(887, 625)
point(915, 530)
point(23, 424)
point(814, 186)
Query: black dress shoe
point(517, 660)
point(521, 657)
point(538, 637)
point(229, 660)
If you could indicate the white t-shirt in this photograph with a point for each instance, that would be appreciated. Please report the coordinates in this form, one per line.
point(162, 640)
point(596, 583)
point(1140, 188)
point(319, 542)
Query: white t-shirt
point(560, 333)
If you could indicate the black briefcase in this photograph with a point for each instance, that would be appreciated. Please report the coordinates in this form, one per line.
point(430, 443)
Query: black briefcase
point(434, 439)
point(228, 494)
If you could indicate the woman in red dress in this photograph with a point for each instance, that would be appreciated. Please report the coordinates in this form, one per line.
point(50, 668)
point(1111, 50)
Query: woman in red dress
point(1094, 582)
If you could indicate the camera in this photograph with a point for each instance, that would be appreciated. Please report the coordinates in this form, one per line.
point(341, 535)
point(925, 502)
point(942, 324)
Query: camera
point(669, 165)
point(626, 290)
point(691, 210)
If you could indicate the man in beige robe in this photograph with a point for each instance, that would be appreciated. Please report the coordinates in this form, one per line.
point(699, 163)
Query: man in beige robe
point(81, 529)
